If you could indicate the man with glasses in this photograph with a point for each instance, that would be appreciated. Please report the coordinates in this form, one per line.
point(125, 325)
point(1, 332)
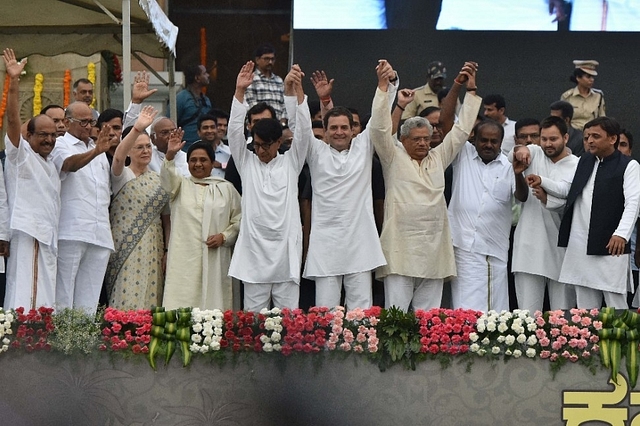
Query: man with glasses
point(527, 131)
point(416, 239)
point(33, 190)
point(266, 86)
point(84, 241)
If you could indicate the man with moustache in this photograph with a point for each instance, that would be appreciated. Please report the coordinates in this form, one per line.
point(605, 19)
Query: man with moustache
point(84, 240)
point(33, 188)
point(56, 113)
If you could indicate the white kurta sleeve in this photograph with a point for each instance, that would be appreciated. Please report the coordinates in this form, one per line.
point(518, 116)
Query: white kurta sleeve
point(380, 127)
point(4, 209)
point(235, 134)
point(631, 201)
point(302, 135)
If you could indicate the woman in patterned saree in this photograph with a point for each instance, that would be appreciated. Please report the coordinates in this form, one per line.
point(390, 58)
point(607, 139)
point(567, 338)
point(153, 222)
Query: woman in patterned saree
point(205, 212)
point(134, 276)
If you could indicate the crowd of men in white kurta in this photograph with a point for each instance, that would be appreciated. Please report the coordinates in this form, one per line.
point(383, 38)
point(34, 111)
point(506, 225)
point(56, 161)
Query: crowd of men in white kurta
point(572, 235)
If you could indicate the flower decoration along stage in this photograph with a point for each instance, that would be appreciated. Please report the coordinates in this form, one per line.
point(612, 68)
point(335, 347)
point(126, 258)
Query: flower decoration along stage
point(387, 337)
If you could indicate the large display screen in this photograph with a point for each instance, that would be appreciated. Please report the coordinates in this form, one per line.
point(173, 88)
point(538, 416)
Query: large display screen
point(474, 15)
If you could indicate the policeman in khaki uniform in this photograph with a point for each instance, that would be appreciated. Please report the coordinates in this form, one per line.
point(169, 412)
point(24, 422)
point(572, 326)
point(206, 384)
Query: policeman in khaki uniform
point(427, 95)
point(588, 103)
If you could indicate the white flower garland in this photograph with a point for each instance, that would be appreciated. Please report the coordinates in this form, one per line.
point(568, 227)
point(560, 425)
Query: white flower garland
point(6, 320)
point(207, 330)
point(273, 330)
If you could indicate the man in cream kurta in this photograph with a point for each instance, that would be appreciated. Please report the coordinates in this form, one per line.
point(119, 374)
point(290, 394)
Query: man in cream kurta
point(416, 239)
point(344, 243)
point(268, 253)
point(537, 259)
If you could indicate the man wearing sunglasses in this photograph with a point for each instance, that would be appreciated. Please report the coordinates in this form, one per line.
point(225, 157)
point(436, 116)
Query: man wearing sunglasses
point(84, 240)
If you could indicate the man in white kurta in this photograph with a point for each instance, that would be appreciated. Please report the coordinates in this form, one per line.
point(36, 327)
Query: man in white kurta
point(33, 189)
point(85, 241)
point(600, 269)
point(415, 239)
point(268, 253)
point(537, 259)
point(344, 245)
point(480, 219)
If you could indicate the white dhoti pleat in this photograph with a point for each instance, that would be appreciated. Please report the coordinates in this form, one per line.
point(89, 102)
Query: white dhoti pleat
point(481, 283)
point(31, 273)
point(81, 270)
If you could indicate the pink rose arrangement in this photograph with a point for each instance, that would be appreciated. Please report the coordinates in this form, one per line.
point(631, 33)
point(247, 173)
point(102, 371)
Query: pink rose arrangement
point(124, 331)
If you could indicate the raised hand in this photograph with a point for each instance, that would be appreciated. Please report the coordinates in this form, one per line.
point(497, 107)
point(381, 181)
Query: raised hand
point(322, 84)
point(14, 68)
point(140, 90)
point(405, 97)
point(146, 117)
point(103, 143)
point(468, 74)
point(175, 143)
point(385, 72)
point(245, 76)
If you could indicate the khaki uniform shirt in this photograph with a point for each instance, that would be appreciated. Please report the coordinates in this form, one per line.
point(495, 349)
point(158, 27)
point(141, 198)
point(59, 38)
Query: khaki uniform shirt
point(423, 98)
point(585, 109)
point(416, 239)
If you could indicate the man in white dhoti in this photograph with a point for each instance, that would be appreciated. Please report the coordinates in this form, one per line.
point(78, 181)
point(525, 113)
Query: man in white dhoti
point(537, 259)
point(84, 238)
point(33, 188)
point(344, 246)
point(268, 252)
point(480, 219)
point(415, 239)
point(601, 209)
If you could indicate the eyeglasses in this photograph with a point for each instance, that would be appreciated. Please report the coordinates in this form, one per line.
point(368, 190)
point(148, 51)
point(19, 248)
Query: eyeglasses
point(263, 146)
point(417, 139)
point(143, 147)
point(268, 58)
point(44, 135)
point(83, 123)
point(525, 136)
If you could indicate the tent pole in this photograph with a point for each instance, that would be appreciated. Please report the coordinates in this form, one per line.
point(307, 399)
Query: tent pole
point(126, 52)
point(173, 109)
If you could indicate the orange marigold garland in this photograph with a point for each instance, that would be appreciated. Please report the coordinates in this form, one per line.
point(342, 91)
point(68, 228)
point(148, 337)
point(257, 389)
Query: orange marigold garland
point(66, 88)
point(3, 105)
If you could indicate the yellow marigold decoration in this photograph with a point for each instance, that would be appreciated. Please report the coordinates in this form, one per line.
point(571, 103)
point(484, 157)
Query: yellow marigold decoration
point(37, 94)
point(66, 88)
point(3, 104)
point(91, 76)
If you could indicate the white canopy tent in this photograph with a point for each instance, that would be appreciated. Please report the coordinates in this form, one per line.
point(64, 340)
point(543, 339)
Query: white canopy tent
point(85, 27)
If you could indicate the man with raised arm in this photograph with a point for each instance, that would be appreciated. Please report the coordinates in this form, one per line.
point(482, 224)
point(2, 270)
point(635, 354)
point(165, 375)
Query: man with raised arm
point(268, 252)
point(416, 240)
point(84, 240)
point(344, 246)
point(33, 188)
